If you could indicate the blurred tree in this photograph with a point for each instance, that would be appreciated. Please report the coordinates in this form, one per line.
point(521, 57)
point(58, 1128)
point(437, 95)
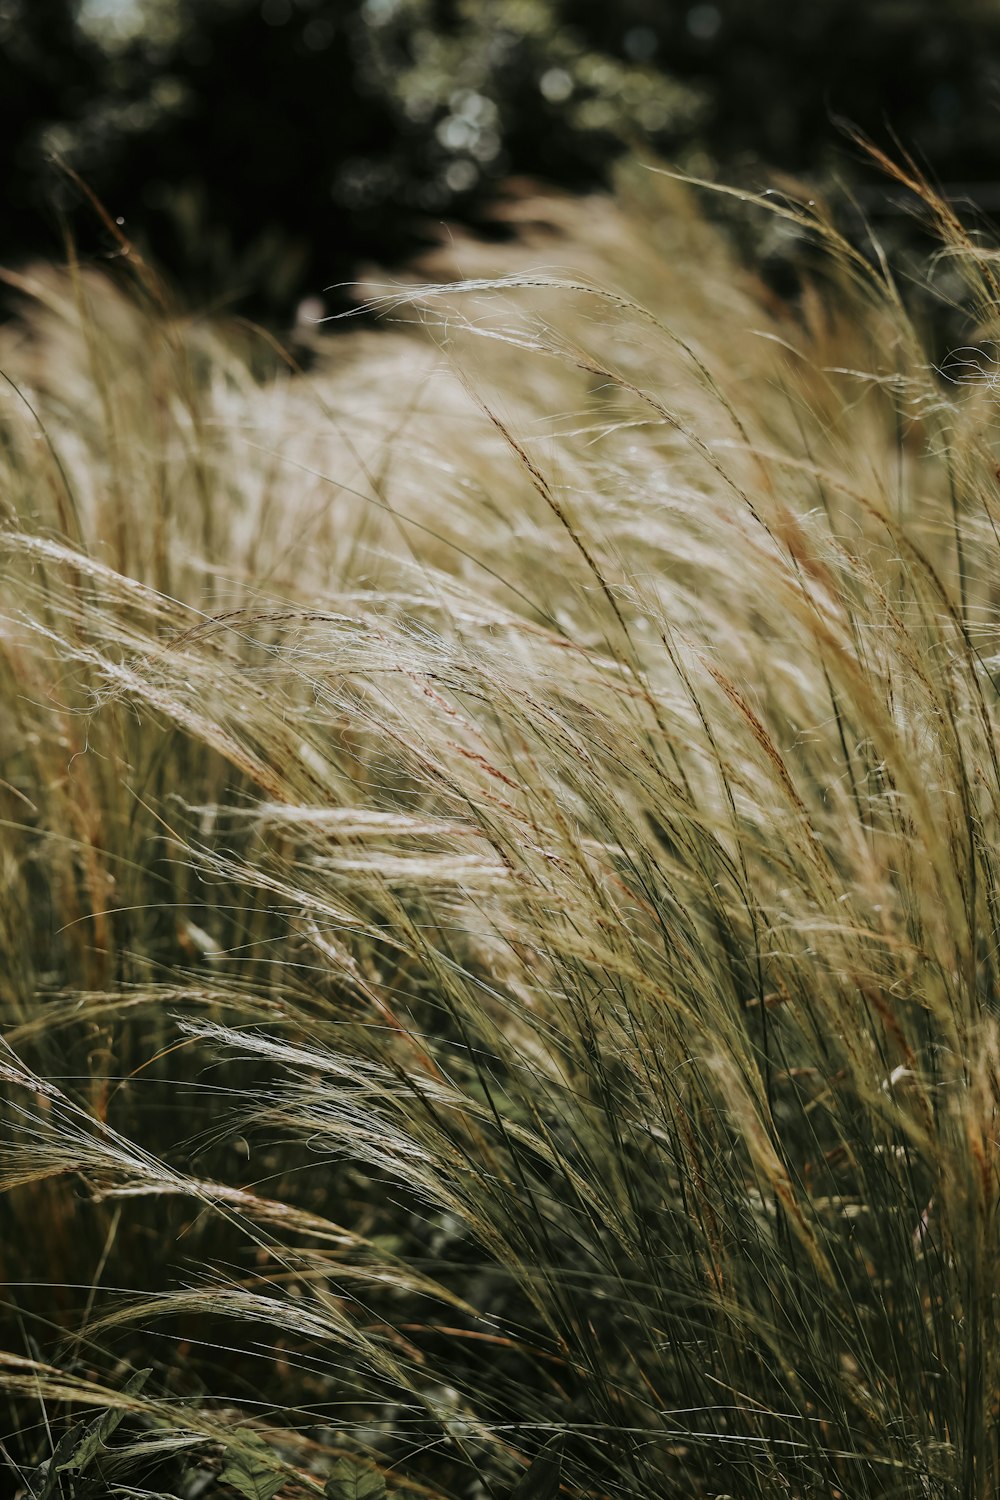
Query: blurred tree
point(776, 74)
point(262, 148)
point(265, 146)
point(50, 71)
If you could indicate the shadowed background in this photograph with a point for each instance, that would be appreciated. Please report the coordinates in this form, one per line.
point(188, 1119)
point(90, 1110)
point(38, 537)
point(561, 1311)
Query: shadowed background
point(265, 149)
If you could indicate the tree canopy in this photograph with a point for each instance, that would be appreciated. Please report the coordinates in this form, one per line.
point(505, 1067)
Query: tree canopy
point(263, 148)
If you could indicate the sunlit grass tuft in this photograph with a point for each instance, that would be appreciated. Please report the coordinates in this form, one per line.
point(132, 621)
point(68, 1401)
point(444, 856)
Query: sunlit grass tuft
point(499, 964)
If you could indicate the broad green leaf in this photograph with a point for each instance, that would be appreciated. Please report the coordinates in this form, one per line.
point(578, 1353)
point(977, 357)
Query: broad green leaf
point(355, 1479)
point(96, 1434)
point(541, 1480)
point(249, 1469)
point(61, 1456)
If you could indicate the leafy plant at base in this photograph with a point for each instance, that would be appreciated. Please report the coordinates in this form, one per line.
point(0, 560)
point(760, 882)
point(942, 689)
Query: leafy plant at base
point(249, 1469)
point(353, 1480)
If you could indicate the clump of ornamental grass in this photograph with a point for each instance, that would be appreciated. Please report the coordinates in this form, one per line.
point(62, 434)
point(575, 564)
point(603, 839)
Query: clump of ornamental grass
point(499, 941)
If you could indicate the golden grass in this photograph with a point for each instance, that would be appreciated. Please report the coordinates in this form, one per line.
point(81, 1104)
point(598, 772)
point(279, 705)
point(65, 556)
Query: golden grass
point(499, 965)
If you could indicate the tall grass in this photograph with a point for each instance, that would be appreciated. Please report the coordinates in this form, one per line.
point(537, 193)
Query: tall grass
point(499, 966)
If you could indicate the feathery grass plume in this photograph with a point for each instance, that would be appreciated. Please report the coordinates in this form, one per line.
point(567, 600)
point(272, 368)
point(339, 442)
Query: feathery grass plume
point(499, 966)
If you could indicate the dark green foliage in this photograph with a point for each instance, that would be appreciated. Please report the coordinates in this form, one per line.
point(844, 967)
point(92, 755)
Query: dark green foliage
point(49, 74)
point(267, 148)
point(250, 1470)
point(85, 1465)
point(541, 1480)
point(778, 75)
point(353, 1480)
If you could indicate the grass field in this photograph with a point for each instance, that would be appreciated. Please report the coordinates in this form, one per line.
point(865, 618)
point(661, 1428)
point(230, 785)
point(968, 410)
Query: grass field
point(500, 888)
